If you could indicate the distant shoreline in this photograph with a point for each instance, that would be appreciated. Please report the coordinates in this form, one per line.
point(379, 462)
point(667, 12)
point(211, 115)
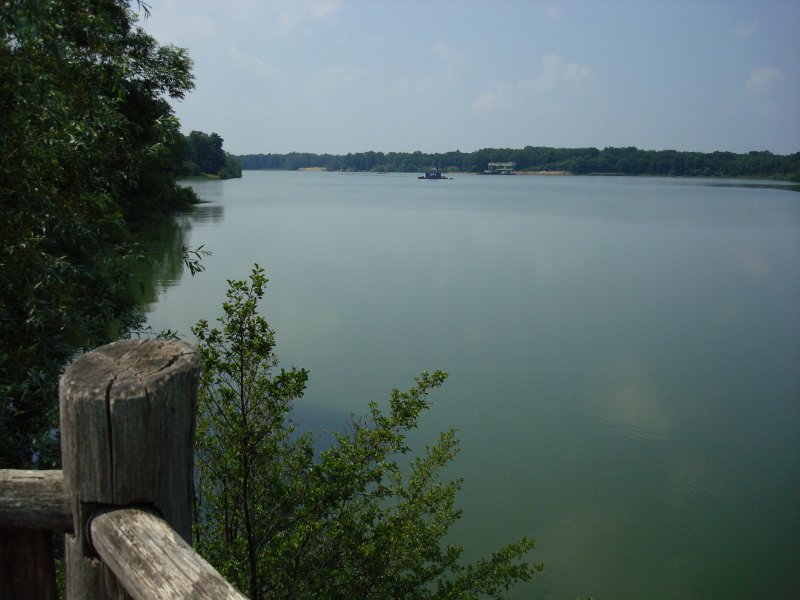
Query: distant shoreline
point(547, 173)
point(544, 161)
point(325, 170)
point(777, 183)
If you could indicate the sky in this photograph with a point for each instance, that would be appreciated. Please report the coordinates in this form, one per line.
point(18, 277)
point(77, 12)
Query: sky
point(340, 76)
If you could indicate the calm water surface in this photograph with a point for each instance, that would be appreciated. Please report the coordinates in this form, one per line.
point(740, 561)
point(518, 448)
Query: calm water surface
point(624, 355)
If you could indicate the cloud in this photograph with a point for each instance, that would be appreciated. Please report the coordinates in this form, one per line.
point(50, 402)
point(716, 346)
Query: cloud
point(251, 64)
point(762, 80)
point(344, 72)
point(183, 30)
point(578, 74)
point(746, 29)
point(299, 12)
point(556, 78)
point(448, 54)
point(335, 77)
point(428, 81)
point(555, 73)
point(323, 8)
point(497, 96)
point(554, 14)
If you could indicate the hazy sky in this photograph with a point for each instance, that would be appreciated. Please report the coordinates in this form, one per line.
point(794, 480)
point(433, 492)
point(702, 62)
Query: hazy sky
point(344, 76)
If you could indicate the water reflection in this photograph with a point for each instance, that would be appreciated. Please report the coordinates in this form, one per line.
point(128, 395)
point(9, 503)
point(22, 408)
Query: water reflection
point(164, 242)
point(767, 185)
point(626, 398)
point(205, 213)
point(623, 355)
point(694, 482)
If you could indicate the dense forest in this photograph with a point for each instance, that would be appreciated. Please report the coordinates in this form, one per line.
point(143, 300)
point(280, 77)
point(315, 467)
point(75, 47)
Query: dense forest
point(90, 150)
point(577, 161)
point(202, 154)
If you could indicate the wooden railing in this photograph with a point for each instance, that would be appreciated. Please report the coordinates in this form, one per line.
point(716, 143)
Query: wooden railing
point(123, 497)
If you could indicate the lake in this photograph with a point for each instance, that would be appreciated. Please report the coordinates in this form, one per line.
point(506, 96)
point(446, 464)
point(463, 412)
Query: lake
point(624, 355)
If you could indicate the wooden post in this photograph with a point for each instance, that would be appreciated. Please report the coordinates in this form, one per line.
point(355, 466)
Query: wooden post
point(127, 437)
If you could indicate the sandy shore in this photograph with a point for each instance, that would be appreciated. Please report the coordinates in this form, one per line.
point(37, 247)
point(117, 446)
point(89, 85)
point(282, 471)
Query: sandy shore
point(543, 173)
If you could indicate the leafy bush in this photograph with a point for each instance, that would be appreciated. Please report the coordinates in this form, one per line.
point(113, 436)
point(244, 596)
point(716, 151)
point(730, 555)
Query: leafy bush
point(281, 521)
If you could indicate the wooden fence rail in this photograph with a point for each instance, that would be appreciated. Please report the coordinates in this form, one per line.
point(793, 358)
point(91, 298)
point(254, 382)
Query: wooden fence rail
point(123, 497)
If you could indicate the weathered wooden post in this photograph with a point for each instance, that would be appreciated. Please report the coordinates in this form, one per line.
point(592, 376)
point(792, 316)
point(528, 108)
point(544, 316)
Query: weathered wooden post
point(127, 434)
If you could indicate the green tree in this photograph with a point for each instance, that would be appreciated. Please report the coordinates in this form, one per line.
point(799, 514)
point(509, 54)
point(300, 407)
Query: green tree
point(203, 155)
point(85, 132)
point(280, 521)
point(205, 151)
point(231, 169)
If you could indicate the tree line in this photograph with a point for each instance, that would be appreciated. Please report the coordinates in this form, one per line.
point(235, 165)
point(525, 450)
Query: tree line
point(576, 161)
point(90, 149)
point(202, 155)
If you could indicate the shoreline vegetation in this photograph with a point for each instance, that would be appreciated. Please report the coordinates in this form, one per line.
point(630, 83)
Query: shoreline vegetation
point(544, 161)
point(324, 170)
point(201, 156)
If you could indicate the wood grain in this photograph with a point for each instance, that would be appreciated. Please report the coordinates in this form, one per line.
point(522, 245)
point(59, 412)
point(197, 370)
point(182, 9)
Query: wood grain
point(151, 560)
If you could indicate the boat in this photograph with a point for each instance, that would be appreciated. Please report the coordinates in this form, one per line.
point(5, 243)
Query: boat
point(434, 173)
point(500, 168)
